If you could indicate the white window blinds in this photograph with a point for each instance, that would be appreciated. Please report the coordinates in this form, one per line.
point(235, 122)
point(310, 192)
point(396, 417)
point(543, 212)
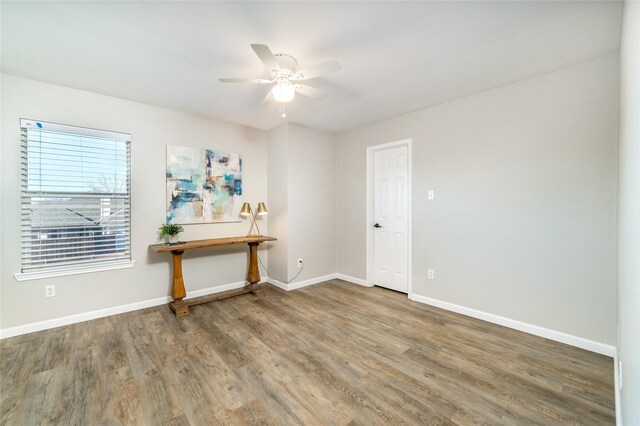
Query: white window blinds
point(75, 196)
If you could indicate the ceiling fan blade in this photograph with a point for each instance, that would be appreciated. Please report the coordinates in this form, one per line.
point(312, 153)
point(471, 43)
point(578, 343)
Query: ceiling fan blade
point(245, 80)
point(309, 91)
point(318, 70)
point(268, 99)
point(266, 56)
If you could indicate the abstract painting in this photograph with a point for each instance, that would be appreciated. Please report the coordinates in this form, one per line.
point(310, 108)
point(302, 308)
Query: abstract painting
point(203, 185)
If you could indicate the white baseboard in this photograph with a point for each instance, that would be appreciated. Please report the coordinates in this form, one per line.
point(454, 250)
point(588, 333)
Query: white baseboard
point(278, 284)
point(317, 280)
point(558, 336)
point(300, 284)
point(217, 289)
point(580, 342)
point(353, 280)
point(85, 316)
point(100, 313)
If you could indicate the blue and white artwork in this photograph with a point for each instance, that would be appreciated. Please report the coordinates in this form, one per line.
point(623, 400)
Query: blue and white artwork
point(203, 185)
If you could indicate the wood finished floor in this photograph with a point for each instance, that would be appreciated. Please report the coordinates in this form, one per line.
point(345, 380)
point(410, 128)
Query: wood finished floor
point(333, 353)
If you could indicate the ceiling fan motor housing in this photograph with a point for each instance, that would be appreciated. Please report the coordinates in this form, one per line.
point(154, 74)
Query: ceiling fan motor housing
point(288, 80)
point(287, 63)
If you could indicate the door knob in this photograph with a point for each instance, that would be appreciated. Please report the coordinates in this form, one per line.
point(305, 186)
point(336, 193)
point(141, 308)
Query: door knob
point(377, 225)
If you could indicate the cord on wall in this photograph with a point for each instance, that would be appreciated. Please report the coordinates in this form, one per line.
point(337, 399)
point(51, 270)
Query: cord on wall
point(285, 282)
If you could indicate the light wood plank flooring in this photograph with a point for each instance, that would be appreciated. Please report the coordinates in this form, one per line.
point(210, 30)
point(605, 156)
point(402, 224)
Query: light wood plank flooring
point(333, 353)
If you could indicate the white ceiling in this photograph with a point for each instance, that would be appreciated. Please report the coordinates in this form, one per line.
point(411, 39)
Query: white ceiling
point(396, 57)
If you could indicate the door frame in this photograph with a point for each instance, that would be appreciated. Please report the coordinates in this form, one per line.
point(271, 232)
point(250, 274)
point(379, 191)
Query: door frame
point(369, 222)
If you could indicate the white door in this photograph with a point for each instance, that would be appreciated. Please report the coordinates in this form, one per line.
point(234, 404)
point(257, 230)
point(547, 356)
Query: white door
point(390, 222)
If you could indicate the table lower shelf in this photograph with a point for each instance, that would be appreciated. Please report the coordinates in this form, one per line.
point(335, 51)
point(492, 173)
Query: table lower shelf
point(181, 307)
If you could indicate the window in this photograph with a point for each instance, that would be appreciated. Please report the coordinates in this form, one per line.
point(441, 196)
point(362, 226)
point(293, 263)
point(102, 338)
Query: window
point(75, 199)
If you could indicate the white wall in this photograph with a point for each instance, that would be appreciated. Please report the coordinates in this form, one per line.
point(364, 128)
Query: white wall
point(312, 201)
point(278, 200)
point(523, 225)
point(151, 129)
point(629, 215)
point(302, 187)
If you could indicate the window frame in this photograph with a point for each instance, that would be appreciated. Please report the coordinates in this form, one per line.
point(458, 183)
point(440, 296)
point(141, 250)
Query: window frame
point(84, 265)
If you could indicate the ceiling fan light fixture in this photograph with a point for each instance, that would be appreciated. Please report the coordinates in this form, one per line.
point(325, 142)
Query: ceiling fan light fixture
point(283, 91)
point(283, 72)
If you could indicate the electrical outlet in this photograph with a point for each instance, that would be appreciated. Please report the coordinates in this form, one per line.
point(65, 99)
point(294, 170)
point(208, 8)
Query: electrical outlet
point(299, 262)
point(430, 274)
point(49, 291)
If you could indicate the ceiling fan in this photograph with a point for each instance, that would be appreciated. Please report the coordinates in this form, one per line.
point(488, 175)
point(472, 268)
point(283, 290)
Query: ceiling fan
point(286, 79)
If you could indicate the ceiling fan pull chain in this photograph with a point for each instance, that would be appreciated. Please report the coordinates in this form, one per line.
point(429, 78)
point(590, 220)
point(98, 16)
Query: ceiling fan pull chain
point(284, 114)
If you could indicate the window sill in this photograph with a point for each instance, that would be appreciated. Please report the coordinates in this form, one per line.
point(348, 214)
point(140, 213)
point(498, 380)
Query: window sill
point(27, 276)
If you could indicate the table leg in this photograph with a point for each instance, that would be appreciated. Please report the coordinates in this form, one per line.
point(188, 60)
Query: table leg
point(253, 276)
point(178, 293)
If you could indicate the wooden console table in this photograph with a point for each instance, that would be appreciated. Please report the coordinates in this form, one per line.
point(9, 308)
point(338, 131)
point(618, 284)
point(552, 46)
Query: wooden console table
point(180, 306)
